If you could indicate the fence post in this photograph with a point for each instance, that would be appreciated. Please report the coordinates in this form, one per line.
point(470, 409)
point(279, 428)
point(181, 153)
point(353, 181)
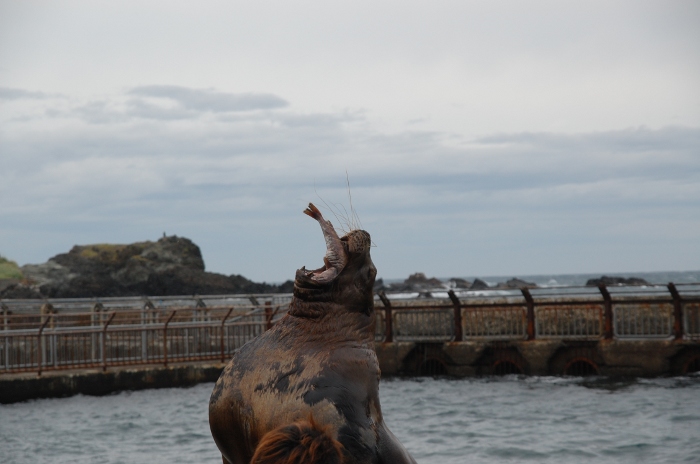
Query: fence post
point(388, 324)
point(530, 303)
point(223, 356)
point(40, 346)
point(5, 313)
point(458, 315)
point(677, 312)
point(165, 337)
point(104, 340)
point(268, 315)
point(607, 313)
point(97, 308)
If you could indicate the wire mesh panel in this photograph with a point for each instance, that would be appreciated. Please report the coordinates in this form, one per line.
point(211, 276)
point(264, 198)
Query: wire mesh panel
point(582, 322)
point(691, 320)
point(19, 352)
point(423, 324)
point(495, 323)
point(72, 349)
point(380, 325)
point(133, 345)
point(643, 320)
point(238, 334)
point(194, 342)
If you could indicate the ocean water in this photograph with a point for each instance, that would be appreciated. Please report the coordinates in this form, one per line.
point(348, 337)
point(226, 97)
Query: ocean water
point(559, 280)
point(478, 420)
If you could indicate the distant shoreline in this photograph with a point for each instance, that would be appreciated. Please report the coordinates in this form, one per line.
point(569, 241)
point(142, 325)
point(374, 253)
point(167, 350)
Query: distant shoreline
point(662, 277)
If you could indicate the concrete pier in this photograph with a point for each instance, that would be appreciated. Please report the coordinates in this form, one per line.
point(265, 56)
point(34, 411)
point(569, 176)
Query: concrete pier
point(95, 382)
point(65, 347)
point(648, 358)
point(457, 359)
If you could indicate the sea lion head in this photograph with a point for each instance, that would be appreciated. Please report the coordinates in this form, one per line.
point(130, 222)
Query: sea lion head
point(348, 274)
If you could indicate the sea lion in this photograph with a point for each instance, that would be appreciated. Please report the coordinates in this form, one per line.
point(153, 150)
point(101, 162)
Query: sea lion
point(307, 390)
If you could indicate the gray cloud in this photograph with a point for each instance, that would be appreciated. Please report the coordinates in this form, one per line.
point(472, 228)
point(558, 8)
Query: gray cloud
point(8, 93)
point(211, 100)
point(242, 177)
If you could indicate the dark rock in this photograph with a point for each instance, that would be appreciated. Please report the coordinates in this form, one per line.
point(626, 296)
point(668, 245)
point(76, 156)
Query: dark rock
point(478, 284)
point(419, 279)
point(6, 283)
point(20, 290)
point(515, 283)
point(171, 266)
point(456, 282)
point(416, 283)
point(611, 280)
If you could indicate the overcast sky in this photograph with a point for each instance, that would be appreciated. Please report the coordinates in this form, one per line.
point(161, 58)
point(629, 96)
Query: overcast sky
point(479, 138)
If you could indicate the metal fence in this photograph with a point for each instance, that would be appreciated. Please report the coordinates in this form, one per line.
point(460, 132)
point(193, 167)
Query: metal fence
point(588, 313)
point(643, 321)
point(691, 320)
point(422, 325)
point(129, 338)
point(580, 321)
point(495, 323)
point(84, 333)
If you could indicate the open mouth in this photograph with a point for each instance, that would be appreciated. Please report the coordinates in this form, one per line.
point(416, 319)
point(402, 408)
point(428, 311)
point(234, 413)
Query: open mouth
point(336, 252)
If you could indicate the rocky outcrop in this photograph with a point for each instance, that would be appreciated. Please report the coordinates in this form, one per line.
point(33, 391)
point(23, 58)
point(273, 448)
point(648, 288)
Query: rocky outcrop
point(612, 280)
point(417, 282)
point(456, 282)
point(478, 284)
point(515, 283)
point(171, 266)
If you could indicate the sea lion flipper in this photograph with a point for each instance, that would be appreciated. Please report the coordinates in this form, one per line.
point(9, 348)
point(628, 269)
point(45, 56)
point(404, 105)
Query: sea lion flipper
point(314, 212)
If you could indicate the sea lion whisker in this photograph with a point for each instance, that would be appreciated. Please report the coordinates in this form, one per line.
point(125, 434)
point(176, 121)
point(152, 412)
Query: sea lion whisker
point(356, 223)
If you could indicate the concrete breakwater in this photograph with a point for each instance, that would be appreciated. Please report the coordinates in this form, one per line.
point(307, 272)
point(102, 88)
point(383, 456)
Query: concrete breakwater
point(458, 359)
point(59, 384)
point(127, 343)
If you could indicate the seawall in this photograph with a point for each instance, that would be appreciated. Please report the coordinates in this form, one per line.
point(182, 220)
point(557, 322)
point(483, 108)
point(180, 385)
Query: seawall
point(458, 359)
point(613, 358)
point(59, 384)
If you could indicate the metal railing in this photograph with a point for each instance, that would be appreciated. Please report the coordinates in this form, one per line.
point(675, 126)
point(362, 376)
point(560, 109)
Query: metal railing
point(643, 321)
point(580, 321)
point(589, 313)
point(121, 338)
point(89, 333)
point(691, 320)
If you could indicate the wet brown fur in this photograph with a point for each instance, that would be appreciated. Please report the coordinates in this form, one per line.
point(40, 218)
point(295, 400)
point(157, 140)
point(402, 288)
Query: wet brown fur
point(319, 361)
point(302, 442)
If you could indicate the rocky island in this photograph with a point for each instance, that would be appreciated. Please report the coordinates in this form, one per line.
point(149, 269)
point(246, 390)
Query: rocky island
point(170, 266)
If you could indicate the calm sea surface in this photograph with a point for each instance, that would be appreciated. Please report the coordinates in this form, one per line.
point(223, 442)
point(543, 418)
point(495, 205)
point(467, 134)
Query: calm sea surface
point(485, 420)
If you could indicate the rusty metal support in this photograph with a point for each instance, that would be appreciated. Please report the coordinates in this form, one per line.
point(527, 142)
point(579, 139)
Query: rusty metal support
point(104, 340)
point(5, 313)
point(388, 325)
point(607, 313)
point(165, 337)
point(458, 315)
point(268, 315)
point(223, 321)
point(40, 346)
point(47, 310)
point(677, 312)
point(530, 303)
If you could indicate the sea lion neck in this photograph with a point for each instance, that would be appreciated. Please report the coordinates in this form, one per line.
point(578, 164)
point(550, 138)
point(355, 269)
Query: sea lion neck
point(330, 321)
